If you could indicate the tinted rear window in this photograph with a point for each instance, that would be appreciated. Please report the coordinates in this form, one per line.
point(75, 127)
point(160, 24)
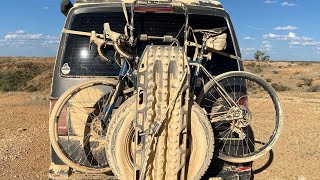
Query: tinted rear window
point(83, 61)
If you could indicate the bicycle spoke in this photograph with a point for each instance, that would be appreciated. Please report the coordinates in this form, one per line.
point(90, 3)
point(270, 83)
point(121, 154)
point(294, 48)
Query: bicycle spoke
point(256, 101)
point(216, 100)
point(83, 105)
point(227, 136)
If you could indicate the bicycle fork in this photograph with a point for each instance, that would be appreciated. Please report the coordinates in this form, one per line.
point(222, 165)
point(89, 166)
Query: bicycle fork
point(114, 94)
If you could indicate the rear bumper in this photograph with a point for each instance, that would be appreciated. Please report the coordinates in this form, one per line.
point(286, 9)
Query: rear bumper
point(63, 172)
point(235, 175)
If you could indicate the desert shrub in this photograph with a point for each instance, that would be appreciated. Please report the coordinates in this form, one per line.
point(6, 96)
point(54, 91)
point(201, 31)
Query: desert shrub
point(299, 85)
point(16, 77)
point(305, 63)
point(251, 64)
point(315, 88)
point(32, 88)
point(306, 82)
point(254, 69)
point(269, 80)
point(280, 87)
point(257, 70)
point(265, 65)
point(10, 81)
point(275, 72)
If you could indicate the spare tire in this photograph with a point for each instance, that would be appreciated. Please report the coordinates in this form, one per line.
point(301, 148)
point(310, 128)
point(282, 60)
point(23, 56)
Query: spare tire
point(120, 142)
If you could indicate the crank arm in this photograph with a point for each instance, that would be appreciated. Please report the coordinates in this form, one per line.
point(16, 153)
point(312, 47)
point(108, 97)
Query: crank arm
point(229, 139)
point(218, 113)
point(220, 120)
point(224, 119)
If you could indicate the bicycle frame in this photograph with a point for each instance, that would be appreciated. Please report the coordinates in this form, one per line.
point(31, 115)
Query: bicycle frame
point(124, 72)
point(197, 64)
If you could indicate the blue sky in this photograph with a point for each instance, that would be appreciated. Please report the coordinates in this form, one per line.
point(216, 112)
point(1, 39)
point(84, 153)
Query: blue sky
point(286, 29)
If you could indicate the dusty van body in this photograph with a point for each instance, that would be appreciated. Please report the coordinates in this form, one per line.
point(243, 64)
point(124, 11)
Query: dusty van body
point(75, 62)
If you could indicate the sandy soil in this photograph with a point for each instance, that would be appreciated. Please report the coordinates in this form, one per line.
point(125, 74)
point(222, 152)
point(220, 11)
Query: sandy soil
point(24, 141)
point(297, 153)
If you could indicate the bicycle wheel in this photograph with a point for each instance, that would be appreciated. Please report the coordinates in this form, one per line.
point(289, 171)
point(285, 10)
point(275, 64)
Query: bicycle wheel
point(75, 130)
point(120, 143)
point(246, 133)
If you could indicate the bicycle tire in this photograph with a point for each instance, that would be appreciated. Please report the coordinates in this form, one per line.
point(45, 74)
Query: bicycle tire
point(54, 120)
point(278, 113)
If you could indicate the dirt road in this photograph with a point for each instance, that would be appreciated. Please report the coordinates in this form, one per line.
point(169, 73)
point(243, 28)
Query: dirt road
point(24, 141)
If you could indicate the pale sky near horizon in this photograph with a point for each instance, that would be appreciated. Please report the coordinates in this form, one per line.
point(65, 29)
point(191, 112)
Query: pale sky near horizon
point(286, 29)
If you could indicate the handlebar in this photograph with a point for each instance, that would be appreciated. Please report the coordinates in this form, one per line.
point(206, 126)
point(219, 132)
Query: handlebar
point(101, 40)
point(122, 53)
point(211, 32)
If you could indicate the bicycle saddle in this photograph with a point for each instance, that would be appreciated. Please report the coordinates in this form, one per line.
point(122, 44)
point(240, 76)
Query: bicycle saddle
point(214, 31)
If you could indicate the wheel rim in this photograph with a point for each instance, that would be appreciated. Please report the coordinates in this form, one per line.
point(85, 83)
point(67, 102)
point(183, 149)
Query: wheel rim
point(81, 146)
point(121, 153)
point(229, 147)
point(129, 147)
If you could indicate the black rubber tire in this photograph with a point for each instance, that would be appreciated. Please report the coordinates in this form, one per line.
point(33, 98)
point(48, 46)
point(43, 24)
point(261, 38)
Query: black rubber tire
point(275, 99)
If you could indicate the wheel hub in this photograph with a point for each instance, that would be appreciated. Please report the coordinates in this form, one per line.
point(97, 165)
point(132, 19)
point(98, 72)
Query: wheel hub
point(243, 121)
point(97, 127)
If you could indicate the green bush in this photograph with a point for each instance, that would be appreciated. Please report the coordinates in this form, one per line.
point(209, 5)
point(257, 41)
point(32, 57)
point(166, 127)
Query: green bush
point(17, 77)
point(10, 81)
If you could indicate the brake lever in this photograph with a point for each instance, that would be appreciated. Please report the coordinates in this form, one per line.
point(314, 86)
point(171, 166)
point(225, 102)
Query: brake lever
point(108, 33)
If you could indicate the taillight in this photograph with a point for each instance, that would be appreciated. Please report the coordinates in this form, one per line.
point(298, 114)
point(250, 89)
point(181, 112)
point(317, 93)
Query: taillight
point(242, 169)
point(52, 103)
point(150, 9)
point(62, 123)
point(243, 101)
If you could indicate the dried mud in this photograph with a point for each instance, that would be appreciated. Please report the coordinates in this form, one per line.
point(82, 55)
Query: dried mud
point(24, 141)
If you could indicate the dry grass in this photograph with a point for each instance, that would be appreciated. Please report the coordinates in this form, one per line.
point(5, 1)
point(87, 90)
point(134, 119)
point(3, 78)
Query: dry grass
point(293, 76)
point(25, 74)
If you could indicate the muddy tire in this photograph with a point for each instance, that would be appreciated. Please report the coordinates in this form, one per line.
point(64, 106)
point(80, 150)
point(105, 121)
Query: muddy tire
point(256, 89)
point(120, 143)
point(77, 155)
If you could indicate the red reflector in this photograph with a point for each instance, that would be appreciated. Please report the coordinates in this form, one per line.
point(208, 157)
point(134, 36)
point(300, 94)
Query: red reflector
point(52, 103)
point(241, 169)
point(142, 9)
point(243, 101)
point(62, 123)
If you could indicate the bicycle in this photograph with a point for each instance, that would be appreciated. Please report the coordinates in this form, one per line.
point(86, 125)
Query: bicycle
point(234, 113)
point(228, 110)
